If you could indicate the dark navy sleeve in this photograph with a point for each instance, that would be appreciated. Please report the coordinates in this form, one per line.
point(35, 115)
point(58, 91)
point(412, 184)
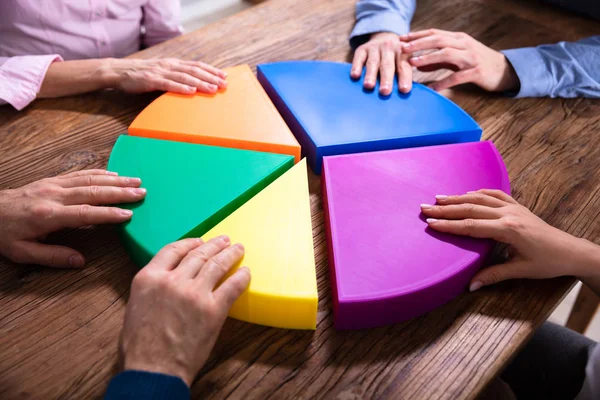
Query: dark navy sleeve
point(146, 385)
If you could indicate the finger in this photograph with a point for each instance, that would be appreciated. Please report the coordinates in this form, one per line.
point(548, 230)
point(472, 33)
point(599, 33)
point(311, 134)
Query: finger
point(387, 70)
point(189, 80)
point(423, 33)
point(87, 172)
point(404, 73)
point(457, 78)
point(83, 215)
point(373, 62)
point(472, 198)
point(441, 57)
point(514, 269)
point(358, 62)
point(476, 228)
point(436, 41)
point(99, 180)
point(498, 194)
point(233, 287)
point(182, 78)
point(461, 211)
point(102, 195)
point(202, 75)
point(47, 255)
point(219, 265)
point(167, 85)
point(208, 68)
point(197, 258)
point(169, 257)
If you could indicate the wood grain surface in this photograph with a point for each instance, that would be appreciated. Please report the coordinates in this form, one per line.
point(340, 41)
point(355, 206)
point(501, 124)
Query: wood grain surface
point(59, 329)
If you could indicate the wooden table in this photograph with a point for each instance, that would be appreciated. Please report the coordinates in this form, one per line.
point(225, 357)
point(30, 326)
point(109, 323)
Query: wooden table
point(59, 328)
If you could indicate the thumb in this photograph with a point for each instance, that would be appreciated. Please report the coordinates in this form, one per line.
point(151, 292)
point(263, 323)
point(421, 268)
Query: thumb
point(497, 273)
point(47, 255)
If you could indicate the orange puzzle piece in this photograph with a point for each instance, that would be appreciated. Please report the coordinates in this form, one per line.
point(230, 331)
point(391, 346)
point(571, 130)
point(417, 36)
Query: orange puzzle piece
point(241, 116)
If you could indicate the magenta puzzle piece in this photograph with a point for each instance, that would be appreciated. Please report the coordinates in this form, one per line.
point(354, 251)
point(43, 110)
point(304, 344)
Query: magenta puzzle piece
point(386, 265)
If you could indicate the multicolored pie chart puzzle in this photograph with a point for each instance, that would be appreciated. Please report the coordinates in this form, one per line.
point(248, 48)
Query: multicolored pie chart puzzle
point(230, 164)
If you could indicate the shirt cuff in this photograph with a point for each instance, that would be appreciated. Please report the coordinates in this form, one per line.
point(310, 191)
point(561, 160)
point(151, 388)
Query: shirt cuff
point(146, 385)
point(21, 78)
point(534, 77)
point(387, 21)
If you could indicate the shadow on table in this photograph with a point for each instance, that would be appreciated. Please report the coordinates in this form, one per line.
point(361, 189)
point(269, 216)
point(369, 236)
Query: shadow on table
point(107, 265)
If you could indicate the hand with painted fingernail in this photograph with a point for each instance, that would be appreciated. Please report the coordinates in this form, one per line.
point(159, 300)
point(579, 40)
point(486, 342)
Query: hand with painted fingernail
point(169, 75)
point(471, 61)
point(178, 305)
point(536, 249)
point(383, 55)
point(28, 214)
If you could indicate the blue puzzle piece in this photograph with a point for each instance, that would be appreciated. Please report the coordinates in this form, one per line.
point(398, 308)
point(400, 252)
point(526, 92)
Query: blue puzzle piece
point(332, 114)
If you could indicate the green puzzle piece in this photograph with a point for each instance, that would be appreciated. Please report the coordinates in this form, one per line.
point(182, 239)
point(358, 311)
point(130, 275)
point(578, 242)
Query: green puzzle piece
point(191, 188)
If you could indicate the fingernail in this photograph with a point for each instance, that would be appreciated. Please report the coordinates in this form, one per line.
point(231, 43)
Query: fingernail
point(224, 74)
point(471, 192)
point(138, 191)
point(190, 89)
point(416, 59)
point(76, 261)
point(441, 197)
point(475, 285)
point(426, 206)
point(225, 238)
point(222, 83)
point(212, 87)
point(134, 180)
point(406, 45)
point(126, 213)
point(111, 173)
point(368, 82)
point(405, 87)
point(431, 221)
point(239, 246)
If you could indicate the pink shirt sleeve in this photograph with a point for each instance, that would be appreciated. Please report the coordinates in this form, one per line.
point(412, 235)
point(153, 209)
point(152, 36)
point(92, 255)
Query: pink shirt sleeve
point(21, 78)
point(161, 21)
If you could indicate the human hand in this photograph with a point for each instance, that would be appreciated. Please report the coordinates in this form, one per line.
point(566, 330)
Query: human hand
point(383, 54)
point(537, 250)
point(472, 61)
point(177, 307)
point(29, 213)
point(168, 74)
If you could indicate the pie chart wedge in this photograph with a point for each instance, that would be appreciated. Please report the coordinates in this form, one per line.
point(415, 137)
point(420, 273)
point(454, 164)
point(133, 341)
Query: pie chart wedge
point(331, 114)
point(276, 231)
point(386, 265)
point(241, 116)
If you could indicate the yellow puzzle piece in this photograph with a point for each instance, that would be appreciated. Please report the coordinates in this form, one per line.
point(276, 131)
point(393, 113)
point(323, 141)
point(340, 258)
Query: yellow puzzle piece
point(276, 231)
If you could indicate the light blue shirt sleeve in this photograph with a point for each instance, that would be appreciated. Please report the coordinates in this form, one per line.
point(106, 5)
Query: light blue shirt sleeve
point(381, 16)
point(565, 69)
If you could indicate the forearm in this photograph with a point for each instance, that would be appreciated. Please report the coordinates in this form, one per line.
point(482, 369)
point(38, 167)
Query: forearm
point(75, 77)
point(587, 268)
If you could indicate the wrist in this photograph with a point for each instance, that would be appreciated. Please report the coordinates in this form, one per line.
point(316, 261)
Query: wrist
point(384, 34)
point(587, 260)
point(509, 81)
point(108, 74)
point(160, 368)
